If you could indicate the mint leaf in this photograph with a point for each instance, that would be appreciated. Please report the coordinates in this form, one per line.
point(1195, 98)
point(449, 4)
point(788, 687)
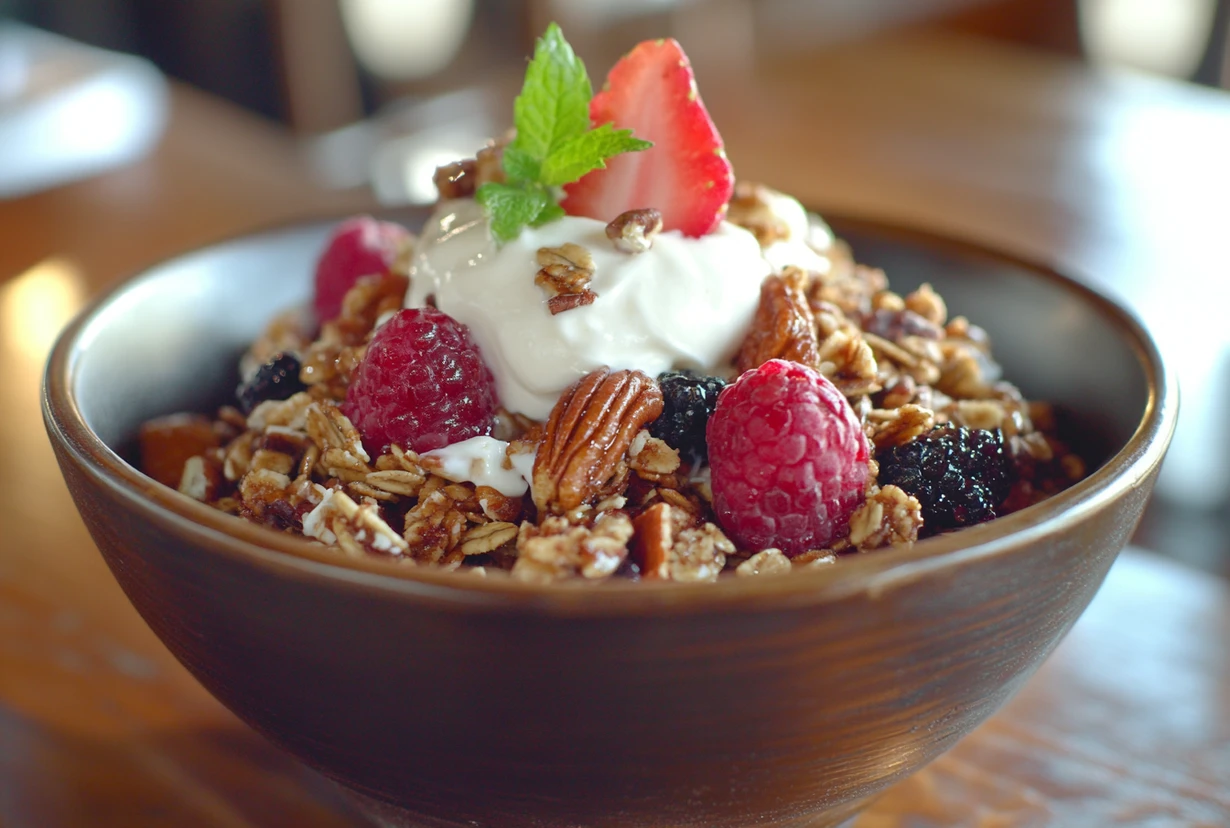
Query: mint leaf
point(549, 213)
point(587, 151)
point(520, 165)
point(554, 144)
point(513, 206)
point(554, 102)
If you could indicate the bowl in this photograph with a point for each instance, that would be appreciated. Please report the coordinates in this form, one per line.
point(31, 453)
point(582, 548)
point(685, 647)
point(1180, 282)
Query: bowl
point(443, 699)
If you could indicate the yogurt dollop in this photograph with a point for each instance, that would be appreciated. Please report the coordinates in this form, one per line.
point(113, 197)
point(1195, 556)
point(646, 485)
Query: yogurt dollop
point(684, 303)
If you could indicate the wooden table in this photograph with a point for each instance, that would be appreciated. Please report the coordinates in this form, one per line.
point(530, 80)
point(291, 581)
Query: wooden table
point(1128, 723)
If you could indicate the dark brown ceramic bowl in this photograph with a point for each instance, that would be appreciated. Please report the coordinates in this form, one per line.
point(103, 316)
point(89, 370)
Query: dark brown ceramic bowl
point(448, 700)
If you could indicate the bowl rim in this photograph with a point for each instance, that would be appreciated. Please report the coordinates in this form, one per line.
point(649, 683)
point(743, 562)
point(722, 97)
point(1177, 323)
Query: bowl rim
point(884, 570)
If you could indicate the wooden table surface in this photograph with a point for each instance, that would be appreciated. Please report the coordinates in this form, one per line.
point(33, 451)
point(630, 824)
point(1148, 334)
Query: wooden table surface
point(1127, 724)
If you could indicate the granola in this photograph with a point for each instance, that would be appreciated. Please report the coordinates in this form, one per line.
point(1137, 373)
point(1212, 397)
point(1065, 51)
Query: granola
point(606, 498)
point(591, 463)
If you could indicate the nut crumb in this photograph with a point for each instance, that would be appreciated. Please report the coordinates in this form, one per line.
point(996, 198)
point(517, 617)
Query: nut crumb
point(765, 562)
point(633, 231)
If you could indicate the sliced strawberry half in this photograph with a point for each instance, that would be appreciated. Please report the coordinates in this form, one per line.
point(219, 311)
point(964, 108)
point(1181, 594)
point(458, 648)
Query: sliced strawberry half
point(685, 175)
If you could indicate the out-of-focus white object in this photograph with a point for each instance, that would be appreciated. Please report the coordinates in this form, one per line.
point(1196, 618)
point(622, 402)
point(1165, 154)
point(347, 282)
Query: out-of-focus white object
point(406, 39)
point(68, 111)
point(1167, 37)
point(397, 151)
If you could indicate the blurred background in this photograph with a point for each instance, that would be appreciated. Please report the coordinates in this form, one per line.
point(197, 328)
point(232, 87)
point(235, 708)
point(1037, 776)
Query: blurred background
point(352, 103)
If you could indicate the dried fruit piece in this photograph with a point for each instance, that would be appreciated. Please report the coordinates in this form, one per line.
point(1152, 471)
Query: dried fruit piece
point(277, 379)
point(589, 431)
point(358, 247)
point(685, 175)
point(788, 459)
point(422, 384)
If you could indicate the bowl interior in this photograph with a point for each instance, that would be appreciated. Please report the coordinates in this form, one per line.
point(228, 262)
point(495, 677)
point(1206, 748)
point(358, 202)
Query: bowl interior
point(170, 340)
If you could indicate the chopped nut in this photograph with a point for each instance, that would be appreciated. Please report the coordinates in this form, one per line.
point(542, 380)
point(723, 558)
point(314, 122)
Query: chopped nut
point(570, 301)
point(264, 459)
point(565, 275)
point(435, 525)
point(587, 435)
point(564, 269)
point(899, 392)
point(765, 562)
point(652, 541)
point(814, 558)
point(490, 160)
point(699, 554)
point(927, 303)
point(259, 489)
point(896, 324)
point(457, 180)
point(558, 549)
point(290, 412)
point(751, 208)
point(847, 360)
point(651, 458)
point(849, 288)
point(633, 231)
point(496, 506)
point(889, 516)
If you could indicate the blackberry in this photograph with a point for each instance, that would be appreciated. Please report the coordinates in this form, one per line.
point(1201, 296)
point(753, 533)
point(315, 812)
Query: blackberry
point(959, 475)
point(687, 401)
point(277, 379)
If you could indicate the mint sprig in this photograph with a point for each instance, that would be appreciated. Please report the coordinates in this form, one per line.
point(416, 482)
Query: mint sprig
point(554, 144)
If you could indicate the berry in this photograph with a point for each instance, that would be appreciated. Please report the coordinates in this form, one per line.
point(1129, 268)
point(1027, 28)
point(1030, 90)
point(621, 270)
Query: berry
point(685, 175)
point(959, 475)
point(788, 459)
point(422, 384)
point(359, 247)
point(277, 379)
point(687, 402)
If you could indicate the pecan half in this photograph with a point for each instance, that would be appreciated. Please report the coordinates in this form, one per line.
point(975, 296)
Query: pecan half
point(587, 435)
point(783, 328)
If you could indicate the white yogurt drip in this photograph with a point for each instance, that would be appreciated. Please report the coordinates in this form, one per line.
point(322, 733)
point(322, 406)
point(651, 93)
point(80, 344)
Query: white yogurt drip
point(480, 460)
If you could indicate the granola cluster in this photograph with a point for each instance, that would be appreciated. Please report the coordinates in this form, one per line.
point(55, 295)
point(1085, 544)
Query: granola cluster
point(605, 497)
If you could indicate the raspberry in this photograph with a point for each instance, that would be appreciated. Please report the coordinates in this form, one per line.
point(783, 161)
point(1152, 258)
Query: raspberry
point(788, 459)
point(959, 475)
point(688, 400)
point(360, 246)
point(422, 384)
point(277, 379)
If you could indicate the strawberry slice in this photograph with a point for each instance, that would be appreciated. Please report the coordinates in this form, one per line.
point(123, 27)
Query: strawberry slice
point(685, 175)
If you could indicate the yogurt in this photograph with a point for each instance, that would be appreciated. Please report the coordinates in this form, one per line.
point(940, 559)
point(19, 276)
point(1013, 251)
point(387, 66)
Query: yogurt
point(480, 460)
point(684, 303)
